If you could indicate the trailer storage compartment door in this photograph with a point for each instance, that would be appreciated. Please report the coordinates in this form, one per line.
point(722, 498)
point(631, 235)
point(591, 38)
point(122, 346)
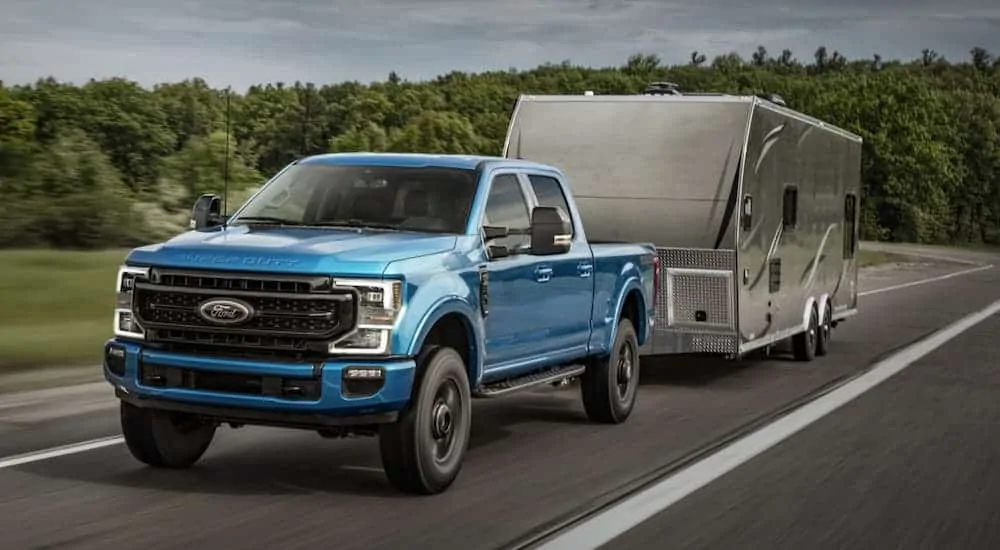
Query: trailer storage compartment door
point(696, 304)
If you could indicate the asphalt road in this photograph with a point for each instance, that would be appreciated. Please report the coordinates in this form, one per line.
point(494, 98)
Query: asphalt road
point(852, 478)
point(910, 464)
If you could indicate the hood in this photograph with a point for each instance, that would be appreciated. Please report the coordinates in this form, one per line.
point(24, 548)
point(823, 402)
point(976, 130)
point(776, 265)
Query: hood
point(326, 251)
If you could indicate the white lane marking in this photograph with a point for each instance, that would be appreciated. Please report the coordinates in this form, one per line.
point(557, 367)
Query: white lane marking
point(56, 452)
point(925, 281)
point(107, 442)
point(606, 526)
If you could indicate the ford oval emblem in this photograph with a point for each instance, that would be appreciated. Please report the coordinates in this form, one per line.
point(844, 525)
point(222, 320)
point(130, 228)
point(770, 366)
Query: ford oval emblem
point(225, 311)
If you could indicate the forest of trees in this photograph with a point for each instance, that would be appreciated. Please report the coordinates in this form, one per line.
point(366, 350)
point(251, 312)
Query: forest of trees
point(110, 163)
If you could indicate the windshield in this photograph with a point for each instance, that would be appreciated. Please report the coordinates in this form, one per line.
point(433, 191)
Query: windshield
point(426, 199)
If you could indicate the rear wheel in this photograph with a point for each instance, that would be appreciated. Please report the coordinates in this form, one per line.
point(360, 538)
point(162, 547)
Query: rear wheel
point(422, 451)
point(609, 384)
point(804, 343)
point(825, 331)
point(164, 439)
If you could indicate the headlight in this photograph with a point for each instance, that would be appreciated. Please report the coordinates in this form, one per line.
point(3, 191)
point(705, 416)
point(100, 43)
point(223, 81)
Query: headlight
point(125, 324)
point(379, 305)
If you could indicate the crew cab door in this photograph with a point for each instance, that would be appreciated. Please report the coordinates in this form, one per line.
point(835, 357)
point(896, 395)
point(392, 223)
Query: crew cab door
point(567, 295)
point(514, 294)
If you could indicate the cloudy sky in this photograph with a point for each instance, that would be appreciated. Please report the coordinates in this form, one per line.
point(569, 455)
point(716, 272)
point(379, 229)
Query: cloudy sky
point(239, 42)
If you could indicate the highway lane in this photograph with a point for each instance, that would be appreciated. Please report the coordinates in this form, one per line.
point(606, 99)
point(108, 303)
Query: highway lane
point(911, 464)
point(533, 456)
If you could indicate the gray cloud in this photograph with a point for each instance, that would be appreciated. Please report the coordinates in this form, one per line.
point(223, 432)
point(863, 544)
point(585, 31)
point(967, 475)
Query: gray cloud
point(240, 42)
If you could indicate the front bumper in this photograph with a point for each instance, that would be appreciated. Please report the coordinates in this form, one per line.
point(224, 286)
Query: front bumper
point(308, 395)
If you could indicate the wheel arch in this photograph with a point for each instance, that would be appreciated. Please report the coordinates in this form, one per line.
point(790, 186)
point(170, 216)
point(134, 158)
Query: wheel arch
point(631, 305)
point(450, 323)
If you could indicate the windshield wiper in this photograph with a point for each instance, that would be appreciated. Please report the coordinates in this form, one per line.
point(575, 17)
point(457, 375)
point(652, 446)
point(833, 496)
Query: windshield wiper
point(354, 222)
point(267, 219)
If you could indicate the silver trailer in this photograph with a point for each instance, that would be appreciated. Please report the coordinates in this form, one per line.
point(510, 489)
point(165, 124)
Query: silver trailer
point(752, 205)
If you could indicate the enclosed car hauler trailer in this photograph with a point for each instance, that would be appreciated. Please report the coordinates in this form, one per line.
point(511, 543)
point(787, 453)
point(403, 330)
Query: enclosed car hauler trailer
point(753, 208)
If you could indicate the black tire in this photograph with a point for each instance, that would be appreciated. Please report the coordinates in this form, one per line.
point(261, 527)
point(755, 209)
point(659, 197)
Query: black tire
point(825, 331)
point(164, 439)
point(609, 385)
point(804, 343)
point(422, 451)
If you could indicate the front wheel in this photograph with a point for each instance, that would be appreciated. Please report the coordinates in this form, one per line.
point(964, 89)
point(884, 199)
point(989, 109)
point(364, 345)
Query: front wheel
point(164, 439)
point(609, 384)
point(422, 451)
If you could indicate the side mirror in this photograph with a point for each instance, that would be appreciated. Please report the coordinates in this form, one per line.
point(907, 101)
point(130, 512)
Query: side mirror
point(551, 231)
point(206, 212)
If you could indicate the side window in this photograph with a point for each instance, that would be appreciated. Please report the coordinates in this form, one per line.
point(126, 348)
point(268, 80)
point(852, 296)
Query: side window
point(506, 207)
point(850, 223)
point(790, 207)
point(746, 219)
point(549, 193)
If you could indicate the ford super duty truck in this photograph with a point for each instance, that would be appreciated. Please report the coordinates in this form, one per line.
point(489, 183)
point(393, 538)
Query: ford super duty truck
point(375, 294)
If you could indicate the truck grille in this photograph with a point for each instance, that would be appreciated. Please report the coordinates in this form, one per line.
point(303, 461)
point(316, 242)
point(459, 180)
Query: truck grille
point(288, 315)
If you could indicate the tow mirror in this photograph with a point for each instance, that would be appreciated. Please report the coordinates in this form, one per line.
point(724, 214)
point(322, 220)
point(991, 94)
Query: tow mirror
point(551, 231)
point(206, 212)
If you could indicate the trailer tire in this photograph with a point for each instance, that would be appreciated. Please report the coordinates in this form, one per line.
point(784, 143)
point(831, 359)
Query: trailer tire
point(804, 343)
point(164, 439)
point(825, 331)
point(610, 383)
point(422, 452)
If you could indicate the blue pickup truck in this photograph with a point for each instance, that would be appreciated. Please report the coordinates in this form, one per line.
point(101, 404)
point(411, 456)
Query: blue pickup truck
point(375, 294)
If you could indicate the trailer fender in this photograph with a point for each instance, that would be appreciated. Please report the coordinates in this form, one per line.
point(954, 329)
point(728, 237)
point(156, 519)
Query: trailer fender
point(824, 299)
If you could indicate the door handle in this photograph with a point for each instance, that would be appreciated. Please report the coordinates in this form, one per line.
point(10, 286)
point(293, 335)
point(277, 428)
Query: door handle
point(543, 274)
point(584, 269)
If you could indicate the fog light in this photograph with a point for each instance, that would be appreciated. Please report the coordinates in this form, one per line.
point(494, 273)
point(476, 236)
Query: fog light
point(362, 381)
point(364, 373)
point(114, 359)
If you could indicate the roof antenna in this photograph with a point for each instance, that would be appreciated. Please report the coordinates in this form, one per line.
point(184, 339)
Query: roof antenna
point(225, 168)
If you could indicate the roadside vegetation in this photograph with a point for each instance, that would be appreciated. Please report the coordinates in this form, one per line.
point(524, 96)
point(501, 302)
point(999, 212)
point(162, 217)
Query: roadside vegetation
point(110, 163)
point(870, 258)
point(55, 306)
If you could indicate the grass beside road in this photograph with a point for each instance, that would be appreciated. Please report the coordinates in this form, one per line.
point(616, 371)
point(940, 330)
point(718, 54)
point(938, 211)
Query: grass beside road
point(55, 306)
point(869, 258)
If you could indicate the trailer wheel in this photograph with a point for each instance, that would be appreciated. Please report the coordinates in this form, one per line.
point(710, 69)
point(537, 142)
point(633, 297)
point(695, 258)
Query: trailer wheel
point(825, 331)
point(804, 343)
point(422, 451)
point(608, 386)
point(164, 439)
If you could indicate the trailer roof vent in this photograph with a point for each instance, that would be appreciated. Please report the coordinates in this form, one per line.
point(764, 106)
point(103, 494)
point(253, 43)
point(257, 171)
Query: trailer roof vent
point(774, 98)
point(661, 88)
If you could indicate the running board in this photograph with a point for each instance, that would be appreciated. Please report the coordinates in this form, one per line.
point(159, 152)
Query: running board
point(547, 376)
